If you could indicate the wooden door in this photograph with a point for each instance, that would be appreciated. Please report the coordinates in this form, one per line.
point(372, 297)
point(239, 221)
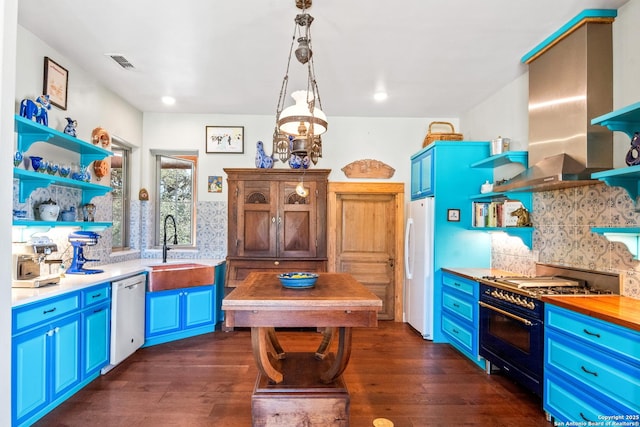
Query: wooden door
point(365, 238)
point(257, 218)
point(297, 228)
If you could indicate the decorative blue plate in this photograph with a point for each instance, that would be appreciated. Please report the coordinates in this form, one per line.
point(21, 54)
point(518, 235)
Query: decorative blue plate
point(297, 280)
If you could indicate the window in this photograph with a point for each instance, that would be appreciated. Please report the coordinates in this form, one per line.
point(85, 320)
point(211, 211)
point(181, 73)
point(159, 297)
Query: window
point(176, 189)
point(120, 194)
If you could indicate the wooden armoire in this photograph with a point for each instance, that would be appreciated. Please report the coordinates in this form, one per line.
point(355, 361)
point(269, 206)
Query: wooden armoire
point(273, 228)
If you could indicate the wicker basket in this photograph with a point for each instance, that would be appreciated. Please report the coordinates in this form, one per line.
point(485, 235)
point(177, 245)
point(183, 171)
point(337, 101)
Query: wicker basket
point(441, 136)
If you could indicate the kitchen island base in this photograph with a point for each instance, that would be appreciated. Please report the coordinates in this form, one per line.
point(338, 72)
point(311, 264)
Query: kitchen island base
point(302, 398)
point(307, 389)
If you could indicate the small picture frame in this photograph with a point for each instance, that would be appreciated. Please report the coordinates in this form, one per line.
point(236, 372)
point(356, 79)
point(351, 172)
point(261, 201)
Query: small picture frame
point(215, 184)
point(224, 139)
point(55, 83)
point(453, 215)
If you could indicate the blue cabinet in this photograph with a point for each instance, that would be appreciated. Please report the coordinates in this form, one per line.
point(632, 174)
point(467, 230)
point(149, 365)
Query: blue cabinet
point(460, 314)
point(180, 313)
point(96, 322)
point(422, 174)
point(45, 356)
point(46, 364)
point(58, 346)
point(591, 368)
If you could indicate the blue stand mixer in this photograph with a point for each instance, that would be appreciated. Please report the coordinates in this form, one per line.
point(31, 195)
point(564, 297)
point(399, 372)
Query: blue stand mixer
point(80, 239)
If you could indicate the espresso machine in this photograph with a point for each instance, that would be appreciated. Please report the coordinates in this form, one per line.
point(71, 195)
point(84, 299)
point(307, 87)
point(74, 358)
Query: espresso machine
point(80, 239)
point(27, 261)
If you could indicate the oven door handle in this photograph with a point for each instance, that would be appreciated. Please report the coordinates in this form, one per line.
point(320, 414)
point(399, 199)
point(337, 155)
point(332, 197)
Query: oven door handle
point(506, 313)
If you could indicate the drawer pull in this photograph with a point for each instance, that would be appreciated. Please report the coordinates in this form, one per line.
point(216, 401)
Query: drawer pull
point(49, 311)
point(98, 310)
point(455, 331)
point(505, 313)
point(456, 305)
point(585, 418)
point(456, 284)
point(96, 295)
point(585, 370)
point(593, 334)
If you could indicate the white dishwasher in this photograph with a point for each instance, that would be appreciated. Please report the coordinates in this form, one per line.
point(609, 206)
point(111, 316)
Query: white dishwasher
point(127, 318)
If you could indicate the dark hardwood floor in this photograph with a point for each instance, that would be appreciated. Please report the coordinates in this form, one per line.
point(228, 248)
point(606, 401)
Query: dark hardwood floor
point(208, 381)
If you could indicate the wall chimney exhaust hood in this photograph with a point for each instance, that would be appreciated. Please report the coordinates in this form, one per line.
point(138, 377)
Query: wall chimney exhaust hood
point(570, 82)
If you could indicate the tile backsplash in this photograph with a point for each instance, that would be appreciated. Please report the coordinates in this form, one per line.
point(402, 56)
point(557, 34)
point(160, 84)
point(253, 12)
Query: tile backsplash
point(562, 220)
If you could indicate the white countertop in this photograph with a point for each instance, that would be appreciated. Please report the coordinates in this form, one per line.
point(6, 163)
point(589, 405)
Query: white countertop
point(112, 272)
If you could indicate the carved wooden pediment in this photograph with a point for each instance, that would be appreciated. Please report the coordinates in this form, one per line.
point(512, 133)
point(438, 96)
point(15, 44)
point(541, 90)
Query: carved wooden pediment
point(368, 168)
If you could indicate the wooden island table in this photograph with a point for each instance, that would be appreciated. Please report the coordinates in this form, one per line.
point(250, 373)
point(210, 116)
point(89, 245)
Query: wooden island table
point(294, 388)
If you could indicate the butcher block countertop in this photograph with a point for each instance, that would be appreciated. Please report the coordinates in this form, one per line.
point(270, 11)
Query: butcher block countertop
point(479, 273)
point(623, 311)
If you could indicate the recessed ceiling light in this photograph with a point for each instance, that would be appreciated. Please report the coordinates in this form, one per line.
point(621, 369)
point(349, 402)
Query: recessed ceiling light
point(168, 100)
point(380, 96)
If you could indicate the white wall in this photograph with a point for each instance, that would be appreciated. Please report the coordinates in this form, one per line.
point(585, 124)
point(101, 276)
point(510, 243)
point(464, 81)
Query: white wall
point(389, 140)
point(8, 19)
point(503, 114)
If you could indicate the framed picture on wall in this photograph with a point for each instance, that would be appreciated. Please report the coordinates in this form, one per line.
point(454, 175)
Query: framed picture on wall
point(56, 81)
point(224, 139)
point(215, 184)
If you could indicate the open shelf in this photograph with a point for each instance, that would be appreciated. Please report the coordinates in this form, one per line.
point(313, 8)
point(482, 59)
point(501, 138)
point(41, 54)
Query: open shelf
point(29, 132)
point(488, 196)
point(625, 120)
point(502, 159)
point(627, 178)
point(524, 233)
point(30, 180)
point(91, 226)
point(629, 236)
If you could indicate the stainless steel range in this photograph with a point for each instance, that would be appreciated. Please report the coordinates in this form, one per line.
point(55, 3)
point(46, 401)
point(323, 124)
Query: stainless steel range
point(512, 316)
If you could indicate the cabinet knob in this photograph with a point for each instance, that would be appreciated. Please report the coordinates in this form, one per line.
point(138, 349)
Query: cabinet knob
point(276, 262)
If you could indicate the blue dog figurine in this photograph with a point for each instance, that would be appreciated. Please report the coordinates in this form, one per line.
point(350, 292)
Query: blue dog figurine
point(38, 109)
point(70, 128)
point(262, 160)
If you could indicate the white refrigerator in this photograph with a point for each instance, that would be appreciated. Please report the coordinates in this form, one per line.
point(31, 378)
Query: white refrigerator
point(419, 271)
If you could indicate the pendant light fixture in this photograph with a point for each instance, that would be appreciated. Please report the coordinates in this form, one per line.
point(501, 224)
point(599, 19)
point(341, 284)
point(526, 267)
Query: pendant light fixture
point(299, 126)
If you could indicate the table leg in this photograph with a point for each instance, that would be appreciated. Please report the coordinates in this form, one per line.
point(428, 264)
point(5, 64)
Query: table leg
point(342, 358)
point(261, 344)
point(328, 336)
point(274, 344)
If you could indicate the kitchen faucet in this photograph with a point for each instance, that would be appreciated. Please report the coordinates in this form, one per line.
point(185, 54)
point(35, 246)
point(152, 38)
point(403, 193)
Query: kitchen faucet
point(175, 237)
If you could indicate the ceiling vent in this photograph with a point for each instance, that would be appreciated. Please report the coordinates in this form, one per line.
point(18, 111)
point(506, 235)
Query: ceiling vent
point(121, 61)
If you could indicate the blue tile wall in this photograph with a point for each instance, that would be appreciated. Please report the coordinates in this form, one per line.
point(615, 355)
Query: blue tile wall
point(562, 220)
